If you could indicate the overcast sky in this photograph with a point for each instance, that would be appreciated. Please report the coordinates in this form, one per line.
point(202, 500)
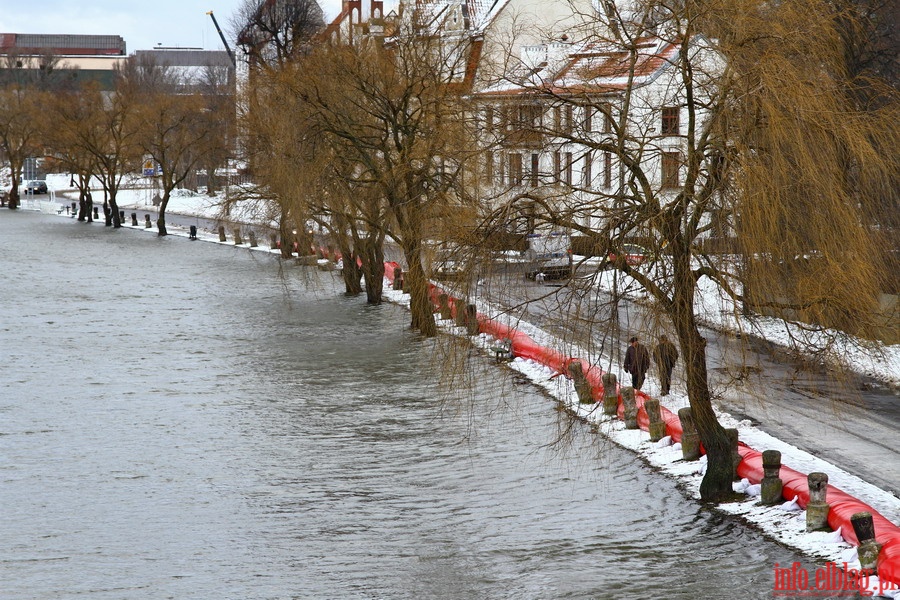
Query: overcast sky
point(143, 24)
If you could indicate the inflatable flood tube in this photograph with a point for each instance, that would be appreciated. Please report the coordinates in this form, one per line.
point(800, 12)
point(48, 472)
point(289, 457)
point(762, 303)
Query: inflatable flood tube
point(843, 506)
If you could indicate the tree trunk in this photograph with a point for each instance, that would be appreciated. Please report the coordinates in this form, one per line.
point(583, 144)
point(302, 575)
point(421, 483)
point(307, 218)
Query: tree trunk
point(716, 484)
point(161, 220)
point(372, 256)
point(82, 204)
point(287, 239)
point(351, 273)
point(416, 285)
point(114, 208)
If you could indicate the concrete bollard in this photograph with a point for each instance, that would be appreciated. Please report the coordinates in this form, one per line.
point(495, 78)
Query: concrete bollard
point(657, 427)
point(690, 439)
point(771, 485)
point(736, 459)
point(868, 550)
point(237, 237)
point(253, 243)
point(147, 224)
point(471, 319)
point(460, 314)
point(610, 394)
point(444, 301)
point(582, 386)
point(134, 219)
point(630, 408)
point(398, 280)
point(817, 509)
point(221, 233)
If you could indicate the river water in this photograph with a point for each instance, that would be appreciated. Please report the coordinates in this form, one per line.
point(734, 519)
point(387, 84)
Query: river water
point(188, 420)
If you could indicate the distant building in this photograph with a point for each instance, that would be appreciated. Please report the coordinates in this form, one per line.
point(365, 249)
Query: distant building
point(205, 71)
point(67, 57)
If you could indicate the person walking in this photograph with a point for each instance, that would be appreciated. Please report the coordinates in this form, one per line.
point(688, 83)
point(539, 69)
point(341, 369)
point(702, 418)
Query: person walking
point(665, 355)
point(637, 361)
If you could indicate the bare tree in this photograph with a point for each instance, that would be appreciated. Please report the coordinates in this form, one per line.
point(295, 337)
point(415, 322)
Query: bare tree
point(275, 32)
point(401, 130)
point(674, 124)
point(20, 110)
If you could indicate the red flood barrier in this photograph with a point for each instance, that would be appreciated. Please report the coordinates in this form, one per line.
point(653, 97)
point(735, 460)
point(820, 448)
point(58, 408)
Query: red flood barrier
point(843, 505)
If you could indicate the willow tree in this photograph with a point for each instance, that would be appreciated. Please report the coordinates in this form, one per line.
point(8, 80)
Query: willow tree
point(20, 118)
point(391, 113)
point(97, 133)
point(675, 123)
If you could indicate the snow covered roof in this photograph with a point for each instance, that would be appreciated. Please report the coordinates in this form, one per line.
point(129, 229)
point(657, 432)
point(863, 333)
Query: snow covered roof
point(592, 68)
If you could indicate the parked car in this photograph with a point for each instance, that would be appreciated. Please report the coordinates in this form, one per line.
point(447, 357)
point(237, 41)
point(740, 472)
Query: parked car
point(633, 255)
point(36, 186)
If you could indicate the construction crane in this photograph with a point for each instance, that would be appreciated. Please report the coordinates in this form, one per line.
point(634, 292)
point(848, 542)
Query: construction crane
point(224, 41)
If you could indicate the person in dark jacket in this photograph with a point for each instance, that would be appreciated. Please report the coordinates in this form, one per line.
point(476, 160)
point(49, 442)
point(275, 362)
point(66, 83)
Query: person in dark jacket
point(637, 361)
point(665, 355)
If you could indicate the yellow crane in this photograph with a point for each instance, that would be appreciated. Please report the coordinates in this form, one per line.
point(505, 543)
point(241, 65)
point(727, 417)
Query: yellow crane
point(224, 41)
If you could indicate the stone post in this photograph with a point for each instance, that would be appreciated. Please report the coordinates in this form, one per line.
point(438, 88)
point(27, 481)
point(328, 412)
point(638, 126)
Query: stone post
point(74, 208)
point(147, 224)
point(610, 395)
point(398, 280)
point(732, 435)
point(444, 301)
point(471, 319)
point(690, 439)
point(868, 550)
point(96, 213)
point(582, 387)
point(221, 233)
point(253, 243)
point(460, 315)
point(817, 510)
point(771, 484)
point(657, 427)
point(630, 406)
point(121, 216)
point(134, 219)
point(237, 236)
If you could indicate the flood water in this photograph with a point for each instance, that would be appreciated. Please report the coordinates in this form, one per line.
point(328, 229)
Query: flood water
point(188, 420)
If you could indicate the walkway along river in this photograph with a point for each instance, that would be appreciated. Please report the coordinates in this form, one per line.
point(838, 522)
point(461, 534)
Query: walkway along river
point(187, 420)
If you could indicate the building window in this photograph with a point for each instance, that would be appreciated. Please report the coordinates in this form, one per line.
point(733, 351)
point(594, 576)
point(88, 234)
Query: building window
point(530, 116)
point(535, 169)
point(489, 119)
point(515, 169)
point(607, 118)
point(567, 172)
point(671, 162)
point(489, 166)
point(562, 119)
point(607, 169)
point(588, 118)
point(587, 171)
point(670, 115)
